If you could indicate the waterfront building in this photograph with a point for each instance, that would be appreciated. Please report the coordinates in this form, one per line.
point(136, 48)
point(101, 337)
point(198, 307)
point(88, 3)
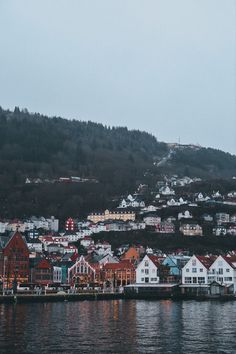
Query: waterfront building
point(42, 273)
point(147, 270)
point(14, 261)
point(119, 274)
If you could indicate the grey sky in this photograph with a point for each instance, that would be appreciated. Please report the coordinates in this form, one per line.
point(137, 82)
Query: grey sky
point(164, 66)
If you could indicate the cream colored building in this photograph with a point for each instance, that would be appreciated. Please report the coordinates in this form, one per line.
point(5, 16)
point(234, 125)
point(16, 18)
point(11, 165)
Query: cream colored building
point(111, 215)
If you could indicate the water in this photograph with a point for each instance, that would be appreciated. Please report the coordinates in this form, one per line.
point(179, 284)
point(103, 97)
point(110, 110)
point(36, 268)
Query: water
point(119, 327)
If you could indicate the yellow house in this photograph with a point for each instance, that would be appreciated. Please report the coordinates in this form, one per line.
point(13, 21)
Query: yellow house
point(111, 215)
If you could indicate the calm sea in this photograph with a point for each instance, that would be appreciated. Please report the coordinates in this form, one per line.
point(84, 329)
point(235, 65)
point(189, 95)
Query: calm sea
point(121, 326)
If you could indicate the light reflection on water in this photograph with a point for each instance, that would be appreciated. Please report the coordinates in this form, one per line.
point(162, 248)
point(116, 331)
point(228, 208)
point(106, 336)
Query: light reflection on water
point(119, 326)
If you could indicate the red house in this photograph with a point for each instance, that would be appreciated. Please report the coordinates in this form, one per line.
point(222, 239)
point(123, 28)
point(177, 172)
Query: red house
point(43, 273)
point(14, 261)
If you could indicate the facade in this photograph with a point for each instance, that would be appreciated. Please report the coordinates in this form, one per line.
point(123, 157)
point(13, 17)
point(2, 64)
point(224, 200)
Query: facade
point(191, 230)
point(43, 273)
point(151, 219)
point(119, 274)
point(195, 272)
point(147, 270)
point(14, 262)
point(82, 273)
point(111, 215)
point(165, 227)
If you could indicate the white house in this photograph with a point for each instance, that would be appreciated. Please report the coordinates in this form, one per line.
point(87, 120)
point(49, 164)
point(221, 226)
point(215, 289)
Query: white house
point(185, 215)
point(151, 219)
point(166, 190)
point(147, 270)
point(195, 271)
point(223, 271)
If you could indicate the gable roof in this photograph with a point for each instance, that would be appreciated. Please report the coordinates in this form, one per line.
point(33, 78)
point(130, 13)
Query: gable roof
point(206, 261)
point(154, 259)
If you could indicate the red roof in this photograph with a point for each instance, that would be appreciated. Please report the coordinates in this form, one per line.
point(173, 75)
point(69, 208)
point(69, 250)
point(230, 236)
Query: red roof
point(154, 259)
point(122, 265)
point(230, 260)
point(44, 264)
point(206, 261)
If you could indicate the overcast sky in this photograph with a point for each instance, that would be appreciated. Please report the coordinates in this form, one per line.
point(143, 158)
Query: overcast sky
point(163, 66)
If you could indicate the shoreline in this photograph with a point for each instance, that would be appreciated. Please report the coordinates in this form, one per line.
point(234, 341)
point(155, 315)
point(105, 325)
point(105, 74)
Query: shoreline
point(23, 298)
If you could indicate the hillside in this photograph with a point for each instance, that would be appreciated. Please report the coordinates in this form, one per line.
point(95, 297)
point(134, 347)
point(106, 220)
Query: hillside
point(112, 160)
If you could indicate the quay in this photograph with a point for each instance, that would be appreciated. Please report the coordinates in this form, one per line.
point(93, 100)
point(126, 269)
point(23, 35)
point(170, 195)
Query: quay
point(25, 298)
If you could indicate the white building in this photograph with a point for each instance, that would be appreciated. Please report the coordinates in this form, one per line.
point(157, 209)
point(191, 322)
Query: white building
point(185, 215)
point(152, 219)
point(147, 270)
point(223, 271)
point(195, 271)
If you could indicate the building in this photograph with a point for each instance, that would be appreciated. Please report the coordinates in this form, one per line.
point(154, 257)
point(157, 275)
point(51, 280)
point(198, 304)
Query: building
point(195, 274)
point(147, 270)
point(222, 218)
point(14, 261)
point(119, 274)
point(151, 219)
point(191, 230)
point(42, 273)
point(165, 227)
point(111, 215)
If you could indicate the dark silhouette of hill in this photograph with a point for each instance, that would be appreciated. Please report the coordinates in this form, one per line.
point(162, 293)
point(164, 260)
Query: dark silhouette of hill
point(34, 146)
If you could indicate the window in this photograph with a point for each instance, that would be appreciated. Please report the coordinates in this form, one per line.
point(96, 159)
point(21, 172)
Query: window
point(201, 280)
point(142, 279)
point(146, 263)
point(194, 280)
point(194, 270)
point(142, 270)
point(220, 271)
point(220, 279)
point(194, 262)
point(153, 279)
point(201, 270)
point(227, 270)
point(187, 270)
point(188, 280)
point(146, 271)
point(228, 278)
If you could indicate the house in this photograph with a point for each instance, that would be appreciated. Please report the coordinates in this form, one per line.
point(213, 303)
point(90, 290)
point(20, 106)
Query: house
point(201, 198)
point(131, 254)
point(219, 230)
point(175, 264)
point(222, 218)
point(166, 191)
point(185, 215)
point(165, 227)
point(119, 274)
point(111, 215)
point(207, 218)
point(232, 230)
point(82, 273)
point(195, 274)
point(14, 261)
point(151, 219)
point(148, 270)
point(42, 273)
point(191, 230)
point(87, 241)
point(223, 271)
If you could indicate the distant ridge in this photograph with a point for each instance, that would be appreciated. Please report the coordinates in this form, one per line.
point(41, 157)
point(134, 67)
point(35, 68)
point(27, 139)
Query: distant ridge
point(34, 146)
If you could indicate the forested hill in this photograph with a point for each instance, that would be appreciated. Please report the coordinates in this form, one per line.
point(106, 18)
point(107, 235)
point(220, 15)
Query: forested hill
point(35, 146)
point(32, 145)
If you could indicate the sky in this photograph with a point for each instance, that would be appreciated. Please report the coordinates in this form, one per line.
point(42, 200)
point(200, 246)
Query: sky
point(164, 66)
